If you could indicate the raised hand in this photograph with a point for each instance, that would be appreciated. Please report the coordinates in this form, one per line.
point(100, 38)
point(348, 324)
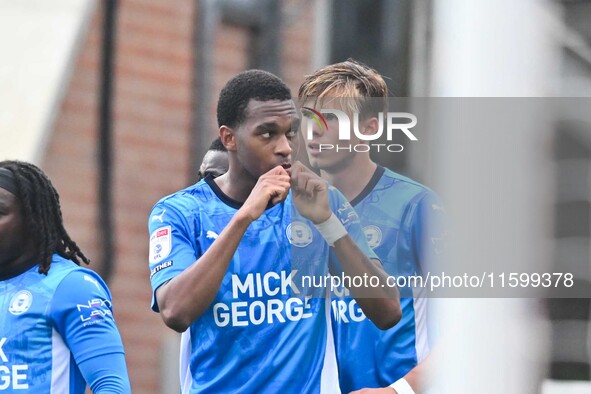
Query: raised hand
point(272, 186)
point(310, 193)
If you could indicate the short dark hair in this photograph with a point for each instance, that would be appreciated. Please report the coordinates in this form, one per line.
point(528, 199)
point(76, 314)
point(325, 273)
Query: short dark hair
point(217, 145)
point(43, 215)
point(251, 84)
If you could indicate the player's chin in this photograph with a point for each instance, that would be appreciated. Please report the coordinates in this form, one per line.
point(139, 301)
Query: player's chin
point(317, 163)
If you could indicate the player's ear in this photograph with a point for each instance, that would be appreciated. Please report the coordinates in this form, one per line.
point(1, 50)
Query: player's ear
point(228, 138)
point(370, 126)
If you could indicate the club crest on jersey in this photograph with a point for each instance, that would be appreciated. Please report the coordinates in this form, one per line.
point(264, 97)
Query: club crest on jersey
point(373, 234)
point(299, 234)
point(160, 244)
point(20, 302)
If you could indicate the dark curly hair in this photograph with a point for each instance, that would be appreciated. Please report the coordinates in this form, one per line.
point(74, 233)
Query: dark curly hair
point(251, 84)
point(43, 215)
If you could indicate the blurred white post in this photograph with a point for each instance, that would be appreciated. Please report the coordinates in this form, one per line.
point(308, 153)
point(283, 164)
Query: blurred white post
point(39, 39)
point(169, 363)
point(497, 187)
point(322, 28)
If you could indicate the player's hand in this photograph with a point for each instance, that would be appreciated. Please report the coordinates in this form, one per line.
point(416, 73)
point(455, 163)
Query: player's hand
point(310, 193)
point(272, 186)
point(385, 390)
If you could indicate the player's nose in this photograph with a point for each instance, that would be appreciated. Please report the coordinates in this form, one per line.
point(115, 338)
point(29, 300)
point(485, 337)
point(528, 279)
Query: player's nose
point(317, 131)
point(283, 146)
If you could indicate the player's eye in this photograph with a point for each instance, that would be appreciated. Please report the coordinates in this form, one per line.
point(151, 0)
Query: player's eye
point(265, 135)
point(330, 116)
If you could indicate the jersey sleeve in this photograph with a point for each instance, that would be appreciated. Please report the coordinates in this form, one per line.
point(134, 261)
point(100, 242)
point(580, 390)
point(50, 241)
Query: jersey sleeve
point(349, 218)
point(429, 232)
point(102, 374)
point(173, 244)
point(81, 312)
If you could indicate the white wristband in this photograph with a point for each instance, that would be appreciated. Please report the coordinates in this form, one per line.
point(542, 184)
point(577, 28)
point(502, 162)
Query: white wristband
point(332, 230)
point(402, 387)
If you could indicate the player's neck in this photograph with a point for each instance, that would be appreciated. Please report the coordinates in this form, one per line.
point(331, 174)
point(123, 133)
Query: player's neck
point(11, 269)
point(236, 185)
point(351, 179)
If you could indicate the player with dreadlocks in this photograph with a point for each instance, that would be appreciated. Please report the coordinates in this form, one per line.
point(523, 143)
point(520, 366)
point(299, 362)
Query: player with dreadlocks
point(57, 332)
point(42, 214)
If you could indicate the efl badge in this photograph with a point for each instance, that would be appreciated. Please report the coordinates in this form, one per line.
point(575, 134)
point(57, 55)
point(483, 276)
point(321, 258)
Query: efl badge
point(160, 244)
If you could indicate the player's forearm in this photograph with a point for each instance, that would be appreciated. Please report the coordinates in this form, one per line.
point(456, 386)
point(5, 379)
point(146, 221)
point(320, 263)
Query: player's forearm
point(381, 304)
point(414, 379)
point(186, 297)
point(418, 377)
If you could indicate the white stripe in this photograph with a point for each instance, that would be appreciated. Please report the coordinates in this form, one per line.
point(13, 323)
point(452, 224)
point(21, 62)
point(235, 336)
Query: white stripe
point(329, 377)
point(421, 334)
point(185, 362)
point(60, 364)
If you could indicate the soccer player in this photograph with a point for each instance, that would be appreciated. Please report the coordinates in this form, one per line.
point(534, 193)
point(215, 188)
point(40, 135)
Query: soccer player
point(57, 332)
point(225, 254)
point(215, 161)
point(393, 211)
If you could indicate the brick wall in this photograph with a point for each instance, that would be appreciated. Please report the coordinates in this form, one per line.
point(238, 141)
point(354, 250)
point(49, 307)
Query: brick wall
point(152, 104)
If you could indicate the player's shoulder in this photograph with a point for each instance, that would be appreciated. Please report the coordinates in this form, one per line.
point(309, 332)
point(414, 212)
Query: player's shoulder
point(402, 187)
point(190, 199)
point(62, 268)
point(73, 281)
point(188, 196)
point(404, 181)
